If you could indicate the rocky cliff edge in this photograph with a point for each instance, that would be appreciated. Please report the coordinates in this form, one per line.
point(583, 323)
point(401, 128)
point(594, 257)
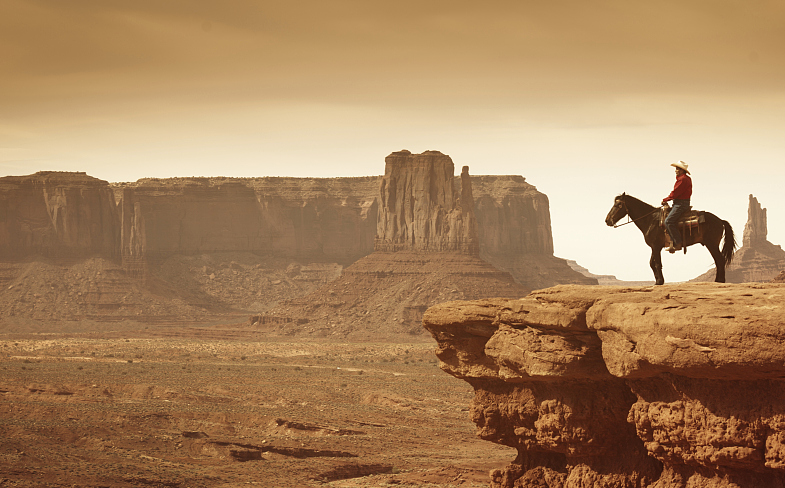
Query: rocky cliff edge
point(670, 386)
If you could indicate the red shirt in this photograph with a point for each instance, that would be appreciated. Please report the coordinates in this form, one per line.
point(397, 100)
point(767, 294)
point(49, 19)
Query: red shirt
point(682, 190)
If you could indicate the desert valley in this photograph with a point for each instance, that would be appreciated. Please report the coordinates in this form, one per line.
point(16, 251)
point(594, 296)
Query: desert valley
point(409, 329)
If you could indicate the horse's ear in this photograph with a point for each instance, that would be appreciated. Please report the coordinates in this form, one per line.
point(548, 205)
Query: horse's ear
point(624, 194)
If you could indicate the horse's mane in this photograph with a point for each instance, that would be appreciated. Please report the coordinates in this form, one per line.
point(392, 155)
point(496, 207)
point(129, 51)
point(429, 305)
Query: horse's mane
point(635, 200)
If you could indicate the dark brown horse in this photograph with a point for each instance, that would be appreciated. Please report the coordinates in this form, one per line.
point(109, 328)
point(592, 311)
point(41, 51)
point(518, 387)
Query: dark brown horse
point(647, 218)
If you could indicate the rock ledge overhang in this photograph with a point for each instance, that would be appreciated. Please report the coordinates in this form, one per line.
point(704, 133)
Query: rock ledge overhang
point(670, 387)
point(697, 330)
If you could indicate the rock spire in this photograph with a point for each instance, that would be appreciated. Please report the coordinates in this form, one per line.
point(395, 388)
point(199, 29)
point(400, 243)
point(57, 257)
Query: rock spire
point(758, 260)
point(419, 209)
point(755, 231)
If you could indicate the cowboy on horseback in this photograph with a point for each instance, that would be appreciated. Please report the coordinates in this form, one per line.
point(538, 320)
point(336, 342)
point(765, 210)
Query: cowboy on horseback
point(711, 230)
point(682, 191)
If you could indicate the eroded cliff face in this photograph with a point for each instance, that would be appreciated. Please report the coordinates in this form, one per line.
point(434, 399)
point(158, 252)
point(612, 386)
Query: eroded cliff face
point(514, 227)
point(247, 244)
point(311, 219)
point(58, 215)
point(419, 209)
point(426, 253)
point(671, 386)
point(513, 217)
point(504, 218)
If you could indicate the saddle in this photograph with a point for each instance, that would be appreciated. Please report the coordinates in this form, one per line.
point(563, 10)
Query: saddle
point(690, 225)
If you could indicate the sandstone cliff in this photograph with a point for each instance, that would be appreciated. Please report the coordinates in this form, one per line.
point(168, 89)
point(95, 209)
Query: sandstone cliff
point(514, 228)
point(758, 260)
point(419, 209)
point(57, 215)
point(214, 245)
point(426, 253)
point(310, 219)
point(670, 386)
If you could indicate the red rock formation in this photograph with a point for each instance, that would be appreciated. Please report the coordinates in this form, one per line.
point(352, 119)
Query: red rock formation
point(311, 219)
point(426, 253)
point(250, 231)
point(418, 209)
point(515, 232)
point(666, 387)
point(755, 230)
point(514, 218)
point(57, 215)
point(758, 259)
point(332, 219)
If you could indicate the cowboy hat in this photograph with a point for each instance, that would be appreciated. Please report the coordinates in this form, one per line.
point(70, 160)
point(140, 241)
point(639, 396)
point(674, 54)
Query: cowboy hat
point(681, 165)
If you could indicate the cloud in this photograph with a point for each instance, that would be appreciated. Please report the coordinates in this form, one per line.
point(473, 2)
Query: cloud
point(497, 53)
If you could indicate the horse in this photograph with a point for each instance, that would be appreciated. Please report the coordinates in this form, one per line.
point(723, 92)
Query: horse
point(646, 218)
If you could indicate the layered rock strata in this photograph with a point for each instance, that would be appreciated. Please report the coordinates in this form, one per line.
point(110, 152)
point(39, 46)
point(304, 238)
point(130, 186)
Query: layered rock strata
point(419, 209)
point(309, 219)
point(57, 215)
point(671, 386)
point(220, 244)
point(514, 229)
point(512, 216)
point(758, 260)
point(426, 253)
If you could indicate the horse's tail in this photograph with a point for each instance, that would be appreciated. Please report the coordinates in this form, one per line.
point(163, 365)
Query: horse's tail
point(729, 246)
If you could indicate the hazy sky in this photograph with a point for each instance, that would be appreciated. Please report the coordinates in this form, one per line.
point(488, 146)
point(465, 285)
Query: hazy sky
point(584, 99)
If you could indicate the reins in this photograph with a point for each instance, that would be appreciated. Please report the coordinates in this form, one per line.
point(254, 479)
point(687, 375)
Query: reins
point(629, 221)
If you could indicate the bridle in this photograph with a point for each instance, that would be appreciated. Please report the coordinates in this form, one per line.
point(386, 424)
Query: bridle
point(623, 204)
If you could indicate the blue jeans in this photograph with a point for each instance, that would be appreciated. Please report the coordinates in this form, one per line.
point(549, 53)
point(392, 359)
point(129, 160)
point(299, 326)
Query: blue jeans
point(678, 209)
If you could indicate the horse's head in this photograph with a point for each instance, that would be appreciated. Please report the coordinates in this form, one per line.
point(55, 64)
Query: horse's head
point(618, 210)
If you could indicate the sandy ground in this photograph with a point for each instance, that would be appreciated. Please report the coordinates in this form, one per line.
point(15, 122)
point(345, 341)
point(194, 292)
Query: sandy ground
point(193, 410)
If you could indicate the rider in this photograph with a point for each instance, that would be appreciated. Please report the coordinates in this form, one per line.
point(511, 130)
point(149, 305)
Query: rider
point(682, 191)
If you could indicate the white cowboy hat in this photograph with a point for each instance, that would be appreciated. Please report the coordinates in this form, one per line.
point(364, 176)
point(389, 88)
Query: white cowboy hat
point(681, 165)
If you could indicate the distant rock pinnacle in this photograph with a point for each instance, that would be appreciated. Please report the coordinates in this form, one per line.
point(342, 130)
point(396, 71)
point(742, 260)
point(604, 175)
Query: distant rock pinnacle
point(755, 231)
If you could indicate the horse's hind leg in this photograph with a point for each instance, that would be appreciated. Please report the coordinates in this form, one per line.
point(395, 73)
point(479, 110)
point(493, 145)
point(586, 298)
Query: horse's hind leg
point(719, 263)
point(656, 265)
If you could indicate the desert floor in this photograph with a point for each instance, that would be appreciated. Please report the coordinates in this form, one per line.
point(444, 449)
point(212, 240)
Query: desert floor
point(192, 409)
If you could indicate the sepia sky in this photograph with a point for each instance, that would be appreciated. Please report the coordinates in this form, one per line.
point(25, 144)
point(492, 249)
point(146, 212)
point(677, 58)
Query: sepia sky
point(584, 99)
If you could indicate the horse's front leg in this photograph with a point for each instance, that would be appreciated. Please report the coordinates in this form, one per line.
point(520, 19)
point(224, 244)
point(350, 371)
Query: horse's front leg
point(656, 265)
